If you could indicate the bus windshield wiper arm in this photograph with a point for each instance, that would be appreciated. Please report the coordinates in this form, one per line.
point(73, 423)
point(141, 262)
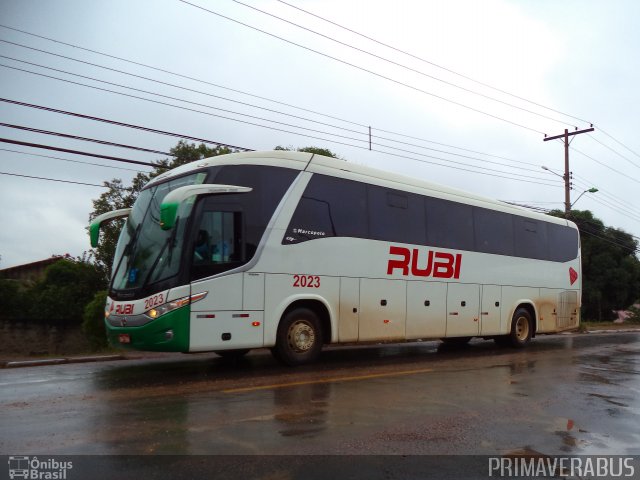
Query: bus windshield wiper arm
point(169, 242)
point(127, 252)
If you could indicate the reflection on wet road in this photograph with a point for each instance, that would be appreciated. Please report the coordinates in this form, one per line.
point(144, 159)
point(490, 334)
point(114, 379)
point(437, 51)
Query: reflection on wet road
point(563, 395)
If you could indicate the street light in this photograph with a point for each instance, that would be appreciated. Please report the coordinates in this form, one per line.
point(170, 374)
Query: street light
point(551, 171)
point(591, 190)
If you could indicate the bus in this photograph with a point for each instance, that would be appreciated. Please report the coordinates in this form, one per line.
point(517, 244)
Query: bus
point(292, 251)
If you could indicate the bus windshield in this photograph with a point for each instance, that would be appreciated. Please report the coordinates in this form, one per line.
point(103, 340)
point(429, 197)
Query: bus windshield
point(146, 253)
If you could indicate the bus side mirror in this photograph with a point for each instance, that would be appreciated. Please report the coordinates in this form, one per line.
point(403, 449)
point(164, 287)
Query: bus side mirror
point(171, 203)
point(94, 227)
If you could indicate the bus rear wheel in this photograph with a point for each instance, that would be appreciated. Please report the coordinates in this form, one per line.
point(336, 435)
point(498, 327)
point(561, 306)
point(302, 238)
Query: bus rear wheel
point(299, 338)
point(521, 328)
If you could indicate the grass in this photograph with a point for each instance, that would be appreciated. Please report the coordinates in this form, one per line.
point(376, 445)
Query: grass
point(586, 326)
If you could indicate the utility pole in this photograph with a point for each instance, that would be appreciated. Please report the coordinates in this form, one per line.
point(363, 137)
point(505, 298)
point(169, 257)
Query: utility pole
point(567, 173)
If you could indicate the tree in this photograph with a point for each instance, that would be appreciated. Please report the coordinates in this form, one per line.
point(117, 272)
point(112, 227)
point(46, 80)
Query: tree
point(93, 321)
point(610, 268)
point(11, 299)
point(119, 196)
point(68, 285)
point(317, 150)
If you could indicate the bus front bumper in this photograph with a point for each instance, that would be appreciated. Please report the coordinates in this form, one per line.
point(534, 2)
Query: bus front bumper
point(168, 333)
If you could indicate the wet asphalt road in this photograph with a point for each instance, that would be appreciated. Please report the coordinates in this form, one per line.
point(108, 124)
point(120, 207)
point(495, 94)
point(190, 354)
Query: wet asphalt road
point(564, 395)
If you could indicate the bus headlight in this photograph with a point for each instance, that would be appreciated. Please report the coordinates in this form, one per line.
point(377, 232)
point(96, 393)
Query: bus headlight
point(175, 304)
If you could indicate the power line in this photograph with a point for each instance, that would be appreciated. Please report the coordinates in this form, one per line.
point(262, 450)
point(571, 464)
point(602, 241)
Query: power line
point(241, 92)
point(179, 75)
point(614, 198)
point(175, 106)
point(234, 119)
point(383, 138)
point(616, 152)
point(77, 152)
point(168, 97)
point(462, 169)
point(69, 160)
point(128, 125)
point(371, 72)
point(625, 175)
point(304, 109)
point(620, 143)
point(165, 83)
point(625, 212)
point(398, 64)
point(450, 146)
point(84, 139)
point(433, 63)
point(53, 179)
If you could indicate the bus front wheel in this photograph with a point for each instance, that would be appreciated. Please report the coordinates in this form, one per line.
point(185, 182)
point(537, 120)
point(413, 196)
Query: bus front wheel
point(299, 337)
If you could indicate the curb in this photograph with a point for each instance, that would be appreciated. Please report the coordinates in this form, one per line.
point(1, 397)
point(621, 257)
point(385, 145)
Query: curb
point(59, 361)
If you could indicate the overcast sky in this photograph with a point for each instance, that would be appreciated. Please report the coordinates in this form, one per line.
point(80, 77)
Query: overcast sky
point(484, 81)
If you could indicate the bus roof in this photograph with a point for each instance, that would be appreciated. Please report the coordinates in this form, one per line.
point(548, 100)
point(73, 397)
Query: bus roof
point(339, 168)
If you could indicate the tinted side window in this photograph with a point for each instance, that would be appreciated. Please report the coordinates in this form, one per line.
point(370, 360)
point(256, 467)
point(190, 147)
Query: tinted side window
point(269, 184)
point(449, 224)
point(396, 216)
point(493, 231)
point(563, 243)
point(530, 238)
point(329, 207)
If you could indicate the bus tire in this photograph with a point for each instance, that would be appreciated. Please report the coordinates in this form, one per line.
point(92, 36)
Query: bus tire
point(299, 338)
point(521, 328)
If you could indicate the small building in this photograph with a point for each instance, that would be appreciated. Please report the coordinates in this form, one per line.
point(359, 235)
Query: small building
point(30, 272)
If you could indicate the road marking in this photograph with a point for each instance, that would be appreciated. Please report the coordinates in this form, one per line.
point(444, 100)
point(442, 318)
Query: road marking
point(326, 380)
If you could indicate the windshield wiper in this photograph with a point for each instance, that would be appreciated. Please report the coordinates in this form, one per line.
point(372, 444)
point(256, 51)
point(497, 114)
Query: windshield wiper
point(126, 252)
point(169, 242)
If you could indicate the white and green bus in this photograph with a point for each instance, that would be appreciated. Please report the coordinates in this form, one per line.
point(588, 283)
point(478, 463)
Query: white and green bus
point(292, 251)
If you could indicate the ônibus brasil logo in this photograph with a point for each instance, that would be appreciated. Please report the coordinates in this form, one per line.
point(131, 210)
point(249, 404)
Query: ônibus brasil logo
point(38, 469)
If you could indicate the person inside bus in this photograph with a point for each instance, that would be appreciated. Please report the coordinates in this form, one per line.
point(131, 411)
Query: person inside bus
point(219, 248)
point(202, 250)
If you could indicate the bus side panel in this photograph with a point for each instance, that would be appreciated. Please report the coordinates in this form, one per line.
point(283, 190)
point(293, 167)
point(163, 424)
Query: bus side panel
point(463, 310)
point(223, 293)
point(384, 309)
point(225, 331)
point(349, 309)
point(547, 306)
point(253, 291)
point(490, 310)
point(212, 318)
point(426, 310)
point(282, 290)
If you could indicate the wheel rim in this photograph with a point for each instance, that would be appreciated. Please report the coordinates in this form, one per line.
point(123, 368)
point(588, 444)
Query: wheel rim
point(522, 328)
point(301, 336)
